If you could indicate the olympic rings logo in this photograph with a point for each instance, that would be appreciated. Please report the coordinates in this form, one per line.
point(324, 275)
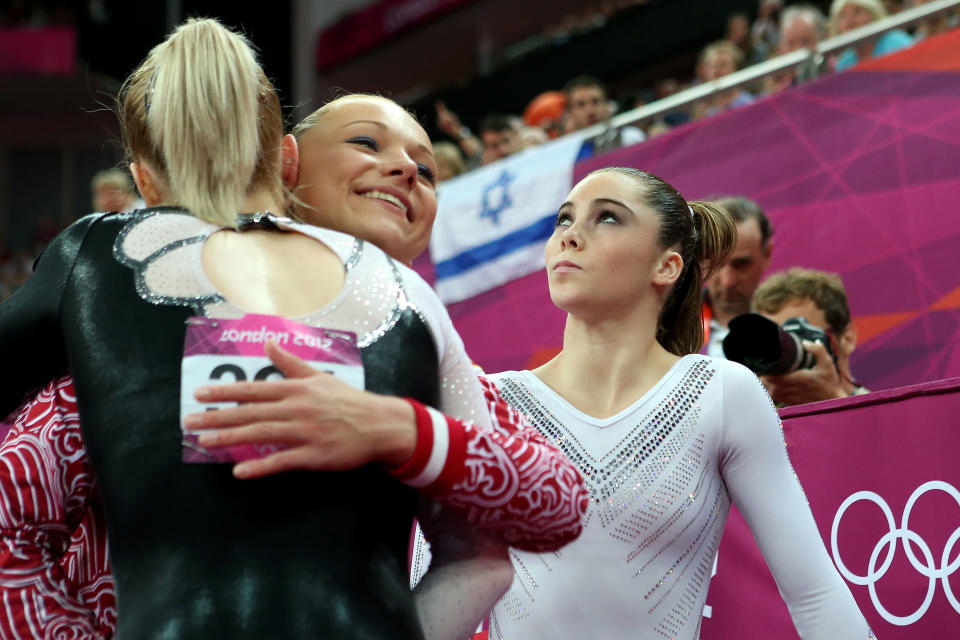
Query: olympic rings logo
point(928, 568)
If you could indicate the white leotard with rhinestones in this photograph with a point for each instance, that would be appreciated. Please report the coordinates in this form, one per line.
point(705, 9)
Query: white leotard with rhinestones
point(662, 474)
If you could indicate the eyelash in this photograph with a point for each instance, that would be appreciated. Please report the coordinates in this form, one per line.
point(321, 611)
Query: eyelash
point(364, 141)
point(426, 172)
point(563, 218)
point(370, 143)
point(607, 214)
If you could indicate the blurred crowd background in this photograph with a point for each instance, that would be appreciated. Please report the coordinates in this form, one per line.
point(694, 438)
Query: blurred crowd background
point(487, 78)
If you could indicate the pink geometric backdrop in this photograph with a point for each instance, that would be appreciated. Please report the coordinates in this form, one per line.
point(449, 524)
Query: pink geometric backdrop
point(860, 175)
point(839, 450)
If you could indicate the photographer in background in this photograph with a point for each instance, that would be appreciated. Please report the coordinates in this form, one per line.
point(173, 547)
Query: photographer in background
point(821, 299)
point(731, 287)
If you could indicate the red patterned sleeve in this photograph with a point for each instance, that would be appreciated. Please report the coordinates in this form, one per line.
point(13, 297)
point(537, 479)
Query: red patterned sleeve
point(55, 579)
point(510, 480)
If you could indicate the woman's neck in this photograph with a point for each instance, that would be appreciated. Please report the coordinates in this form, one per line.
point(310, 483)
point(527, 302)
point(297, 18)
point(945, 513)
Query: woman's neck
point(262, 200)
point(608, 363)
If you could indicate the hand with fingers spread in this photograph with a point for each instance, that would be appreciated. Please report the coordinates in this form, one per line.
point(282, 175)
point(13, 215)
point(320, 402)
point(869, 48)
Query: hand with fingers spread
point(324, 423)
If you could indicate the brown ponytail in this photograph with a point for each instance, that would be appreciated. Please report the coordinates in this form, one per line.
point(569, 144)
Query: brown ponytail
point(704, 234)
point(680, 329)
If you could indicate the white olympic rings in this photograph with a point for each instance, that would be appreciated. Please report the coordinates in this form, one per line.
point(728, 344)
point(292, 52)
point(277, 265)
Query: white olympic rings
point(889, 539)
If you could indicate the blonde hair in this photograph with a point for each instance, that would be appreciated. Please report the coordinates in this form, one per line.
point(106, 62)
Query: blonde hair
point(875, 7)
point(201, 112)
point(705, 234)
point(724, 46)
point(311, 120)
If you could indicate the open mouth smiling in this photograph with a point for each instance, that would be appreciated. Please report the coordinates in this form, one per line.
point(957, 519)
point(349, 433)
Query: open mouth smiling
point(402, 205)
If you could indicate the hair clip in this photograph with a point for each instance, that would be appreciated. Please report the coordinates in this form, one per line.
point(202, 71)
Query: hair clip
point(148, 93)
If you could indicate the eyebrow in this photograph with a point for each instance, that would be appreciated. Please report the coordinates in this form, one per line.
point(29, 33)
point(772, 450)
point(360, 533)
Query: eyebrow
point(384, 127)
point(601, 201)
point(374, 122)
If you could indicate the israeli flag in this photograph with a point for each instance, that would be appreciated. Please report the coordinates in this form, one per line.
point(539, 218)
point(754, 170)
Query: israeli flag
point(492, 222)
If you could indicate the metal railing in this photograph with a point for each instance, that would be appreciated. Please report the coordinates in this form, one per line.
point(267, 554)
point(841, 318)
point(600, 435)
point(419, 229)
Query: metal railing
point(809, 63)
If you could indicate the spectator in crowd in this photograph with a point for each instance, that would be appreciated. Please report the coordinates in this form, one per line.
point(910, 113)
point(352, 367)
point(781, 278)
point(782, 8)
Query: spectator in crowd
point(847, 15)
point(588, 104)
point(500, 137)
point(449, 160)
point(664, 88)
point(765, 32)
point(449, 123)
point(113, 191)
point(532, 136)
point(802, 26)
point(738, 34)
point(731, 287)
point(716, 61)
point(934, 26)
point(821, 299)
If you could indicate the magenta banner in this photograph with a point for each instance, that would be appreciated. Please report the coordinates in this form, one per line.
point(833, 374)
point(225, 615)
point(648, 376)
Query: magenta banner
point(859, 174)
point(44, 50)
point(881, 475)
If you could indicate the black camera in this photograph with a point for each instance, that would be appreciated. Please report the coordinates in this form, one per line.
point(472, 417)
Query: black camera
point(766, 348)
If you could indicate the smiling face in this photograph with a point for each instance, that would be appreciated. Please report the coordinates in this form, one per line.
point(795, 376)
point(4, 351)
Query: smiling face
point(367, 169)
point(603, 254)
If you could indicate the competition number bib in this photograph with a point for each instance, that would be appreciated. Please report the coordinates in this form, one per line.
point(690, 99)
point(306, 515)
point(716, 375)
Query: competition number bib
point(218, 351)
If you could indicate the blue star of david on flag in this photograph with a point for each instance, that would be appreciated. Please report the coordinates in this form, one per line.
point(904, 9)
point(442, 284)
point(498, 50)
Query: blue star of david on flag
point(496, 198)
point(492, 222)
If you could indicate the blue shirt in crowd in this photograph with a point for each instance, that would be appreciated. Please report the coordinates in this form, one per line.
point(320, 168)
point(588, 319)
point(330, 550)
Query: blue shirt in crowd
point(888, 43)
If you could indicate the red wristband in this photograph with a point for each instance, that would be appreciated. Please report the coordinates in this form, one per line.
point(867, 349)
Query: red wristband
point(415, 465)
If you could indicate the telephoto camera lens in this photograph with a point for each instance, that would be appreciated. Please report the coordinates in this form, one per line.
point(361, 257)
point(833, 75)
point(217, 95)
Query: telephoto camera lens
point(766, 348)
